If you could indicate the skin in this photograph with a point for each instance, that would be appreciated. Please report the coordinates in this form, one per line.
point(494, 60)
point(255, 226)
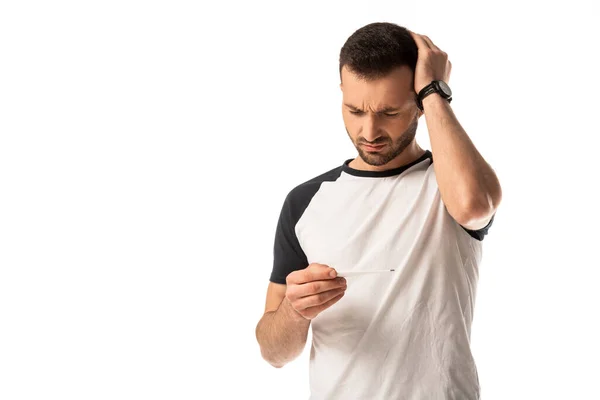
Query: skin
point(468, 185)
point(383, 113)
point(283, 329)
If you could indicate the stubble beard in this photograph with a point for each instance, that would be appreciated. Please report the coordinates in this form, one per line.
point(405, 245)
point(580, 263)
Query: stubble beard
point(394, 149)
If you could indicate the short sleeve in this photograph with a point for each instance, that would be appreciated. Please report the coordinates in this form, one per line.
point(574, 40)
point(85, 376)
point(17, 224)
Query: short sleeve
point(288, 256)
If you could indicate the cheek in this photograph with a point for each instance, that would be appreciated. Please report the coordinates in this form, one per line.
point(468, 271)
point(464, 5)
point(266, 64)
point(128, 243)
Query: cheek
point(401, 124)
point(353, 122)
point(350, 123)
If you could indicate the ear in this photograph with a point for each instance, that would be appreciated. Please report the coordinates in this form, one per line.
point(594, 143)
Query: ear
point(419, 112)
point(341, 88)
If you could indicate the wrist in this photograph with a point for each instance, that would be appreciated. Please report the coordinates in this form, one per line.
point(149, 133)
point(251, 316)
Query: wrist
point(291, 312)
point(433, 98)
point(436, 89)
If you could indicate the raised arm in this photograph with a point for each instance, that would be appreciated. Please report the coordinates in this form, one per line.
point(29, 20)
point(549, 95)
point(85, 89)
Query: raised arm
point(468, 185)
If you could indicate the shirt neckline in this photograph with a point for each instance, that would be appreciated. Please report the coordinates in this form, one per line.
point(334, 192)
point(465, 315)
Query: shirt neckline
point(382, 174)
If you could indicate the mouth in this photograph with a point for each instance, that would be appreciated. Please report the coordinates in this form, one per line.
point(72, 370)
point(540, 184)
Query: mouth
point(372, 148)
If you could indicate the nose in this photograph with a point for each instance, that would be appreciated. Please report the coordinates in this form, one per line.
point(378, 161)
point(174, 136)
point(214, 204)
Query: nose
point(370, 128)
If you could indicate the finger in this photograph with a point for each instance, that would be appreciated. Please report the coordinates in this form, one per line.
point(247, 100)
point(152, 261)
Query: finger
point(316, 287)
point(312, 312)
point(318, 272)
point(298, 291)
point(317, 299)
point(311, 273)
point(430, 43)
point(421, 43)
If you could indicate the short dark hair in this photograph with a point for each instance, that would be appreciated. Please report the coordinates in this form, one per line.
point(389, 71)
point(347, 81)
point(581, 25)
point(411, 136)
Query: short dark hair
point(376, 49)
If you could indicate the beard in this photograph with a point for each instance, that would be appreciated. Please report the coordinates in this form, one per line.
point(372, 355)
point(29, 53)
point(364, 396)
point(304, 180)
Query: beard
point(393, 149)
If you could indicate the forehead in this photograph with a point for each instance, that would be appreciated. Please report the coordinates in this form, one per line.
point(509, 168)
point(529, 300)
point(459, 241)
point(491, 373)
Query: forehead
point(394, 89)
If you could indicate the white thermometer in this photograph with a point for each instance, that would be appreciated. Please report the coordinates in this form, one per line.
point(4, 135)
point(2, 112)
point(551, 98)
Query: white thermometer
point(345, 274)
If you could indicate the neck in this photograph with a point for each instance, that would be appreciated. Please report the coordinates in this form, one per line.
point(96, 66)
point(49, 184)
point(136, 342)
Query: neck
point(410, 154)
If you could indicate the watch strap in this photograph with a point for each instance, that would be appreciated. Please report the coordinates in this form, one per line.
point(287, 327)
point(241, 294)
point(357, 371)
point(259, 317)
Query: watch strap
point(426, 91)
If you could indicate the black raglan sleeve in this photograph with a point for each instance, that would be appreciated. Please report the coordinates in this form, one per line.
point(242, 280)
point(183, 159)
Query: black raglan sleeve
point(288, 256)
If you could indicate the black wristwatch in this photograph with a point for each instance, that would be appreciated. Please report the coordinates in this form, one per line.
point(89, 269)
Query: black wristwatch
point(440, 87)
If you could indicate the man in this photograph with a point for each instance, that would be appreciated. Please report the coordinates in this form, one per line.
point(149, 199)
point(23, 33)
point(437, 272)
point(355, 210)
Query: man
point(401, 334)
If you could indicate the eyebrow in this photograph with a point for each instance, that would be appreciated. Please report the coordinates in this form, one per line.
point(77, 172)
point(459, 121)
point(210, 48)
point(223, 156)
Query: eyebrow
point(383, 110)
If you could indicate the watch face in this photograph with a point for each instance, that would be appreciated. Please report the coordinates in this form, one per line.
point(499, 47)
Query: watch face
point(445, 88)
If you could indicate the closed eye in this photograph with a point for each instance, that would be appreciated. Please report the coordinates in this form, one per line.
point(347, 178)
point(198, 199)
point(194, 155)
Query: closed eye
point(388, 114)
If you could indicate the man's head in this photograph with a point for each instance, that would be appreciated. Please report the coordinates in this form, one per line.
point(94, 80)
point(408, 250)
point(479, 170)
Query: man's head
point(377, 65)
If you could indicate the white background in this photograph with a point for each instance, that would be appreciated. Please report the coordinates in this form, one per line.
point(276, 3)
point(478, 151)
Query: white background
point(146, 149)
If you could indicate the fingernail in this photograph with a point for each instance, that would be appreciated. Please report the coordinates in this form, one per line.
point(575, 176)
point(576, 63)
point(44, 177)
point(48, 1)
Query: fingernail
point(332, 273)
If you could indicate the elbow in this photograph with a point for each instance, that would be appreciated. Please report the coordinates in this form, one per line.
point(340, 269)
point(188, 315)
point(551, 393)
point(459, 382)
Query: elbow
point(476, 212)
point(269, 359)
point(473, 207)
point(265, 354)
point(276, 365)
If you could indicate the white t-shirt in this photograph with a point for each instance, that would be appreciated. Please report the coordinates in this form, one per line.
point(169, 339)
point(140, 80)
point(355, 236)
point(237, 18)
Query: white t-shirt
point(397, 335)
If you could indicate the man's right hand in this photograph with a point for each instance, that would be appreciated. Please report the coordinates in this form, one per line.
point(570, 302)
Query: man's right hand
point(314, 289)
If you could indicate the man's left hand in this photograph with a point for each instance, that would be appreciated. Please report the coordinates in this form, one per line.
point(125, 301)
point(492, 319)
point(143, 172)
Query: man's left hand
point(432, 63)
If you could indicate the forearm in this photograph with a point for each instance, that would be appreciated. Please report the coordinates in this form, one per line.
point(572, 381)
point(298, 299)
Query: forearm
point(282, 334)
point(468, 185)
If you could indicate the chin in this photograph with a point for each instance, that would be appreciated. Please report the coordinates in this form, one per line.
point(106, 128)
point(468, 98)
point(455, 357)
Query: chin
point(375, 160)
